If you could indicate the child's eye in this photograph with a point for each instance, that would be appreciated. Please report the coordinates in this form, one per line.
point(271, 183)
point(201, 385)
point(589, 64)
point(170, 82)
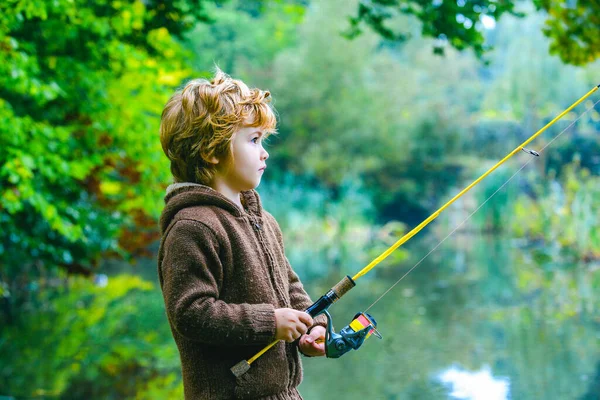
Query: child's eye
point(255, 140)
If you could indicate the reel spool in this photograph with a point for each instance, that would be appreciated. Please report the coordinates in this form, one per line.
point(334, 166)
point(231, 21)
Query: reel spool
point(351, 337)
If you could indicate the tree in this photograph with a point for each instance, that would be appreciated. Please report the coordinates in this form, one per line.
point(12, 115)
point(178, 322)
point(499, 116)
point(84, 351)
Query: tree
point(457, 23)
point(82, 85)
point(571, 26)
point(573, 29)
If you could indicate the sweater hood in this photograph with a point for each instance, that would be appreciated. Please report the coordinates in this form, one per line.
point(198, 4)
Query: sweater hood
point(186, 194)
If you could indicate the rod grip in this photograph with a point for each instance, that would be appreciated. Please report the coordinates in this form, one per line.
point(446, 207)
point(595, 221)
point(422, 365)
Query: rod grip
point(343, 286)
point(333, 295)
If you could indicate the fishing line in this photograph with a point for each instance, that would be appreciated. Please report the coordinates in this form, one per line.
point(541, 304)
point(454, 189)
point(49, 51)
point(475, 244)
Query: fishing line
point(482, 204)
point(352, 336)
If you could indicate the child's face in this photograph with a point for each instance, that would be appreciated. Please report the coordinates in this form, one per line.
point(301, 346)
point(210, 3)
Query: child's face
point(248, 162)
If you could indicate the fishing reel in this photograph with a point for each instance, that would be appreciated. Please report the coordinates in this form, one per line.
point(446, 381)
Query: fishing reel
point(350, 337)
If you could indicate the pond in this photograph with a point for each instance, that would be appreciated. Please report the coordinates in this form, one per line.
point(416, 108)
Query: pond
point(483, 317)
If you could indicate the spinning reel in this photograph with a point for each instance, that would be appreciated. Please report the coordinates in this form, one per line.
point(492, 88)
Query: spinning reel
point(350, 337)
point(354, 334)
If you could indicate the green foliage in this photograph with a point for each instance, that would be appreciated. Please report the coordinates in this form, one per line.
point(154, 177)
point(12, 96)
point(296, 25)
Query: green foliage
point(244, 39)
point(559, 215)
point(573, 29)
point(108, 341)
point(571, 26)
point(530, 91)
point(373, 137)
point(454, 23)
point(493, 216)
point(348, 121)
point(325, 235)
point(404, 122)
point(81, 87)
point(519, 96)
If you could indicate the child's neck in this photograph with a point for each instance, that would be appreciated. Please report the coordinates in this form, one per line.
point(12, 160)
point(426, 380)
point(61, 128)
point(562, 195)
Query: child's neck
point(231, 194)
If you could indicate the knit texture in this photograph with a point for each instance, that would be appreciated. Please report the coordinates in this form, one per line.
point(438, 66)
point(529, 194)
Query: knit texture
point(223, 271)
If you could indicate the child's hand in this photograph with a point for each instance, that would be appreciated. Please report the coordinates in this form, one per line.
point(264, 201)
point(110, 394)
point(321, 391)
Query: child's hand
point(291, 324)
point(313, 344)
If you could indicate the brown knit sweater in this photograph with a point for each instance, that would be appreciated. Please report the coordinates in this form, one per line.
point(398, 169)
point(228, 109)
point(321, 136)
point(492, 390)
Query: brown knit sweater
point(223, 272)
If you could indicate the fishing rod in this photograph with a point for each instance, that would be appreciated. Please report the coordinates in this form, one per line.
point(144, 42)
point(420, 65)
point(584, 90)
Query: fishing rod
point(363, 325)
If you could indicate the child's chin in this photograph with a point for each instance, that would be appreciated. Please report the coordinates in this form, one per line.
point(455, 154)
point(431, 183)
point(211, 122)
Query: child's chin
point(252, 185)
point(257, 183)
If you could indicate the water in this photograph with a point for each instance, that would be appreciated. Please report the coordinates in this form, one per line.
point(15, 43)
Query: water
point(483, 317)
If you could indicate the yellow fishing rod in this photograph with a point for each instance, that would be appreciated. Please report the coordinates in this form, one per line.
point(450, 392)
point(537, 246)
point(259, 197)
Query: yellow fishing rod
point(353, 335)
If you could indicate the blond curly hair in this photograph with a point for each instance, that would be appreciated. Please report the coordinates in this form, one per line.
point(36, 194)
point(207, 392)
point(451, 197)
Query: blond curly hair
point(199, 122)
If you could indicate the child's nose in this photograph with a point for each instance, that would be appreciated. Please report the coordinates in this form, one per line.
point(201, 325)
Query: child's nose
point(264, 155)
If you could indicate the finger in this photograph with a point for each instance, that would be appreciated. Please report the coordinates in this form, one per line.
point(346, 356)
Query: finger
point(296, 334)
point(314, 350)
point(304, 341)
point(318, 347)
point(305, 318)
point(317, 333)
point(301, 328)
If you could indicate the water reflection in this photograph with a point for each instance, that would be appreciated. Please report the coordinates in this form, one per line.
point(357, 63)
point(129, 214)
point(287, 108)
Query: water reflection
point(478, 302)
point(478, 385)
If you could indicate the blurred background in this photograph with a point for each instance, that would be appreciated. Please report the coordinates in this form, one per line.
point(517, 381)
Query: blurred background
point(387, 108)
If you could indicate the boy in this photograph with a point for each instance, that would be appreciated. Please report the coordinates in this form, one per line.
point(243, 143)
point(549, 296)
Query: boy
point(228, 287)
